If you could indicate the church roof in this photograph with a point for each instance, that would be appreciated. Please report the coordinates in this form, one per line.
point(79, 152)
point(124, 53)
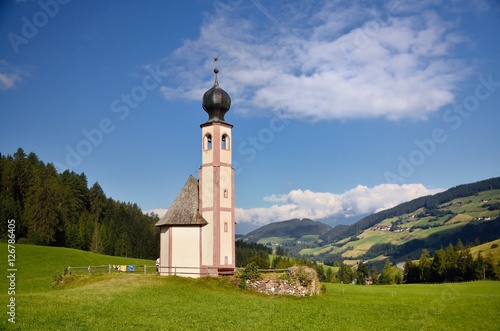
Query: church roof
point(184, 210)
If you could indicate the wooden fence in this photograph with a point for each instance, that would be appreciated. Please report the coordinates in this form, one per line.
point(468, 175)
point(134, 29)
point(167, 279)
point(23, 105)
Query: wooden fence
point(109, 268)
point(145, 269)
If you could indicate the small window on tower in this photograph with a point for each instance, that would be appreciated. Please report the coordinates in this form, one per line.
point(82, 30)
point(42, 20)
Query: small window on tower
point(225, 226)
point(208, 144)
point(225, 194)
point(225, 142)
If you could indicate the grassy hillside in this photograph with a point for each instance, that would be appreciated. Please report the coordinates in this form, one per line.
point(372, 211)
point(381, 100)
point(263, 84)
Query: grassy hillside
point(428, 202)
point(36, 264)
point(291, 229)
point(468, 219)
point(135, 301)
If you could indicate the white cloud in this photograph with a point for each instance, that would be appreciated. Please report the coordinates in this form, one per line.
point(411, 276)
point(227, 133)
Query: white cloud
point(9, 76)
point(330, 61)
point(316, 205)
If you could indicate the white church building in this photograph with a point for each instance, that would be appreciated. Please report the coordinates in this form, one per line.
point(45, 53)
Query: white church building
point(197, 233)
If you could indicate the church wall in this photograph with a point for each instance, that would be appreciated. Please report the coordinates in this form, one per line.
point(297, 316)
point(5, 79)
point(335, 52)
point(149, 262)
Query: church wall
point(225, 154)
point(207, 153)
point(207, 187)
point(227, 238)
point(186, 249)
point(226, 189)
point(208, 239)
point(164, 249)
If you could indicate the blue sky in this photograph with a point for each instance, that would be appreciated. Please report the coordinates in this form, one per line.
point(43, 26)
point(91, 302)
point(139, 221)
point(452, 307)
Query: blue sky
point(340, 108)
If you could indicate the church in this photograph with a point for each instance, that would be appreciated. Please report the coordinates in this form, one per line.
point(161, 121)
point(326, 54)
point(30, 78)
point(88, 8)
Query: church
point(197, 235)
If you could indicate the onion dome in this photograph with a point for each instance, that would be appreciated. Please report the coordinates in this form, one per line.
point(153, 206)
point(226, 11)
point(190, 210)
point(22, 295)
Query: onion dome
point(216, 102)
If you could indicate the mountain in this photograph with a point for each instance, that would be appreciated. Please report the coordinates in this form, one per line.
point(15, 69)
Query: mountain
point(291, 229)
point(341, 219)
point(469, 213)
point(429, 202)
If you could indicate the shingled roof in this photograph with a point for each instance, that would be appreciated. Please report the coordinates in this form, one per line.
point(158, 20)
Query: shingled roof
point(184, 210)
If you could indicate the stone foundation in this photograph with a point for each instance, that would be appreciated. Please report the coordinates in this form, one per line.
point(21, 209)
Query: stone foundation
point(297, 281)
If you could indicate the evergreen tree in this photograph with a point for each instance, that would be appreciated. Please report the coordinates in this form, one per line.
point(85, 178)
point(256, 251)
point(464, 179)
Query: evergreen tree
point(361, 273)
point(43, 212)
point(479, 267)
point(385, 276)
point(411, 274)
point(345, 274)
point(424, 265)
point(491, 271)
point(374, 275)
point(438, 266)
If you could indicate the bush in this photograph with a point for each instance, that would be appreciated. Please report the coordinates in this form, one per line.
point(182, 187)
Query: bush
point(494, 246)
point(251, 272)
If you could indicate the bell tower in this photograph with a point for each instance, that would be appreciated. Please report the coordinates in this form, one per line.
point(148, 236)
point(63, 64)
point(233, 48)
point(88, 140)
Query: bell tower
point(216, 180)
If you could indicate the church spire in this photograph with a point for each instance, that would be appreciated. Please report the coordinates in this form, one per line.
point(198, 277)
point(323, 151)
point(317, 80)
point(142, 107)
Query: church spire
point(216, 102)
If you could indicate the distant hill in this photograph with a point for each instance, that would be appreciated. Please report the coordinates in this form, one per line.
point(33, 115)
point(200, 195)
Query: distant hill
point(468, 212)
point(429, 202)
point(294, 229)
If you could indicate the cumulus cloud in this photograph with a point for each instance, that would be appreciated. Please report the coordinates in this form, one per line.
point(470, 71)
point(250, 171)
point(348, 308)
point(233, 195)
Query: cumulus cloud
point(325, 60)
point(317, 205)
point(10, 76)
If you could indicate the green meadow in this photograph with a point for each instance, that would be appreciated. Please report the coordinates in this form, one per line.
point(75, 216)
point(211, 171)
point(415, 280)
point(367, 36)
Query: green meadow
point(126, 301)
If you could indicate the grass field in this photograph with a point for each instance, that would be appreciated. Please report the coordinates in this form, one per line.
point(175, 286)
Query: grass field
point(134, 301)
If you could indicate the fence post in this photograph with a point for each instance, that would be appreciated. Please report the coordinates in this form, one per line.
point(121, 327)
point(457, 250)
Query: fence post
point(89, 269)
point(175, 271)
point(69, 270)
point(109, 268)
point(145, 272)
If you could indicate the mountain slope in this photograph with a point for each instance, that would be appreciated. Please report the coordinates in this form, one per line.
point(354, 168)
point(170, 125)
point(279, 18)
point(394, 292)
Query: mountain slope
point(471, 219)
point(429, 201)
point(294, 228)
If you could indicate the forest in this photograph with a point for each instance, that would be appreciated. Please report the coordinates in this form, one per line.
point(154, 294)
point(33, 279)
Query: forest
point(453, 264)
point(59, 209)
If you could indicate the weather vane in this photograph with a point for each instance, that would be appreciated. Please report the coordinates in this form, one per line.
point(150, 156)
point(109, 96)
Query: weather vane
point(216, 59)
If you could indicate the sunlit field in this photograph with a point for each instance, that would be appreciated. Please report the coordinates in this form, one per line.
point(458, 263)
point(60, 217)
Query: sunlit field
point(136, 301)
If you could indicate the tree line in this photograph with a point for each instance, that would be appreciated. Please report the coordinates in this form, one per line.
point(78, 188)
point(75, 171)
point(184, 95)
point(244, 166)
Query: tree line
point(453, 264)
point(59, 209)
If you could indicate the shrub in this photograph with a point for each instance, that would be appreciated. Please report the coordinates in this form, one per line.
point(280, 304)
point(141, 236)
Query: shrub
point(251, 272)
point(494, 246)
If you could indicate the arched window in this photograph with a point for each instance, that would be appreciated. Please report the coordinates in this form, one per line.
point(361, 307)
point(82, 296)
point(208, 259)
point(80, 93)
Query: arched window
point(208, 141)
point(225, 142)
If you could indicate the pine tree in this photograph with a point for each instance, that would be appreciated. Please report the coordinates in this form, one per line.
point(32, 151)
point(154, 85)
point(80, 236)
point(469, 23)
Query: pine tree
point(374, 275)
point(385, 276)
point(43, 212)
point(438, 266)
point(424, 265)
point(345, 274)
point(361, 273)
point(411, 274)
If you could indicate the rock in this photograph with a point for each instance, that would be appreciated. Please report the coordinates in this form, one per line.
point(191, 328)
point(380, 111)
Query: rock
point(303, 281)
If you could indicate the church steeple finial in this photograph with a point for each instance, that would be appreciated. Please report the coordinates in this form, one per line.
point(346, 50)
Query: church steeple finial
point(216, 102)
point(216, 70)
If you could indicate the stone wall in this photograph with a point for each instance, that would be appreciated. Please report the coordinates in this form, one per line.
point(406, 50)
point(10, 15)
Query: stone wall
point(297, 281)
